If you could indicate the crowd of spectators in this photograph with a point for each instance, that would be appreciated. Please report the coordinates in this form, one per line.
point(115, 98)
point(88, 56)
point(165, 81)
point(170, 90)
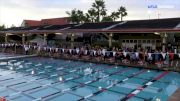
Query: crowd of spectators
point(138, 56)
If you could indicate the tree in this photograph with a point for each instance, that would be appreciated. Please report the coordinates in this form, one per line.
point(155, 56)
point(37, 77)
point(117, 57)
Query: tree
point(107, 19)
point(76, 16)
point(115, 15)
point(122, 11)
point(2, 27)
point(91, 15)
point(100, 9)
point(12, 26)
point(97, 13)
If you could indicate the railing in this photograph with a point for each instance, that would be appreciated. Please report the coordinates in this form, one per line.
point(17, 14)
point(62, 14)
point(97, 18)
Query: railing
point(138, 59)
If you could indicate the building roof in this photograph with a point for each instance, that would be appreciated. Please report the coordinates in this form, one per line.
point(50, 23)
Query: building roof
point(133, 26)
point(101, 25)
point(50, 21)
point(31, 23)
point(57, 27)
point(153, 23)
point(55, 21)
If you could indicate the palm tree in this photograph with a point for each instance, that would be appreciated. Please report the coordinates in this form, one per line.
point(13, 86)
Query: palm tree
point(100, 9)
point(122, 11)
point(91, 15)
point(81, 16)
point(97, 13)
point(76, 16)
point(115, 15)
point(107, 19)
point(2, 27)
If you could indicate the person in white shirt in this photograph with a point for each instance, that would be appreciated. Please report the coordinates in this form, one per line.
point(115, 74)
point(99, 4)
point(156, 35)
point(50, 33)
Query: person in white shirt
point(26, 48)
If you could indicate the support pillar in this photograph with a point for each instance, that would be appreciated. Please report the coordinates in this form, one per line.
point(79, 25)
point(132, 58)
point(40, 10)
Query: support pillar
point(72, 40)
point(45, 39)
point(23, 39)
point(6, 38)
point(164, 41)
point(110, 39)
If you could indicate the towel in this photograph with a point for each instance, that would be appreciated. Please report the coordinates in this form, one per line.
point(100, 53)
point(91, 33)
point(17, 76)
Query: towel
point(57, 49)
point(124, 53)
point(164, 55)
point(137, 54)
point(114, 53)
point(149, 55)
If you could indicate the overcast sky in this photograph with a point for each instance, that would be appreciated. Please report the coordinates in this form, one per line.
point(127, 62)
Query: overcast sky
point(15, 11)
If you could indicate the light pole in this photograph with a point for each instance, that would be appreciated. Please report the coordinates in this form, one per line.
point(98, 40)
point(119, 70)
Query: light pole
point(149, 13)
point(159, 15)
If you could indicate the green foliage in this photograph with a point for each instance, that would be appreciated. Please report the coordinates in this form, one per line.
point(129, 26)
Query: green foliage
point(177, 34)
point(76, 16)
point(12, 26)
point(122, 12)
point(97, 13)
point(107, 19)
point(2, 27)
point(100, 9)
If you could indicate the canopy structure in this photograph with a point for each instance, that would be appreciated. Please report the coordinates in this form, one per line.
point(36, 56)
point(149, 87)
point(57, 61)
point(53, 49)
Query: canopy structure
point(156, 26)
point(135, 26)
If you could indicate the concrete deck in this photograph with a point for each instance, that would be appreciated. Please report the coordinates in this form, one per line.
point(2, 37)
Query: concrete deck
point(16, 57)
point(175, 96)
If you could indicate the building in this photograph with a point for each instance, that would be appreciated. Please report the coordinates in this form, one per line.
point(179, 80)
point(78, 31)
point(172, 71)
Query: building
point(43, 22)
point(152, 34)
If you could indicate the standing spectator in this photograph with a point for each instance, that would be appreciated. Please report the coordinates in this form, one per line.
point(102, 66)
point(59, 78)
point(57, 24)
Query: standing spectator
point(26, 48)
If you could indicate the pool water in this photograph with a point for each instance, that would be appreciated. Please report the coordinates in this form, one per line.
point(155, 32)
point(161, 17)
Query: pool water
point(47, 79)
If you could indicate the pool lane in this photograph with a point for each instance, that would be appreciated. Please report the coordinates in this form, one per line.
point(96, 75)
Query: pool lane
point(38, 87)
point(38, 74)
point(140, 88)
point(19, 83)
point(73, 88)
point(110, 86)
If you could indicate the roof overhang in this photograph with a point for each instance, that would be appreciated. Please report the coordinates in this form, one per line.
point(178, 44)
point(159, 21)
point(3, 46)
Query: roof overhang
point(139, 30)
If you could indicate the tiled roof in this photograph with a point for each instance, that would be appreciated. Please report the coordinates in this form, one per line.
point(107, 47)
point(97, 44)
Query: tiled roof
point(32, 22)
point(55, 21)
point(51, 21)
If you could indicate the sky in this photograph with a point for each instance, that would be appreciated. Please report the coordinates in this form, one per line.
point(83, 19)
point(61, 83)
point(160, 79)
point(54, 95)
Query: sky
point(15, 11)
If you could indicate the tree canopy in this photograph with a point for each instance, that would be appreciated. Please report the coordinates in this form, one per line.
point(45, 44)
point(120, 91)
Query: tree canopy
point(97, 13)
point(2, 27)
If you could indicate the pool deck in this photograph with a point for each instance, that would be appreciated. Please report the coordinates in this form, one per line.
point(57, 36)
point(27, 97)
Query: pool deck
point(175, 96)
point(17, 57)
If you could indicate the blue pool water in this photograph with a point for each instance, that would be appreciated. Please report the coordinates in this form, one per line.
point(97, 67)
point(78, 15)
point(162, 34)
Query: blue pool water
point(47, 79)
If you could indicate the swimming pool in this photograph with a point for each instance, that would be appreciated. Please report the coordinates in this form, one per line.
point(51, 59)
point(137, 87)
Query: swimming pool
point(47, 79)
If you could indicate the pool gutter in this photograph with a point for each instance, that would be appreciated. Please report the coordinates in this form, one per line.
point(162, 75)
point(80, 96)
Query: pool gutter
point(17, 57)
